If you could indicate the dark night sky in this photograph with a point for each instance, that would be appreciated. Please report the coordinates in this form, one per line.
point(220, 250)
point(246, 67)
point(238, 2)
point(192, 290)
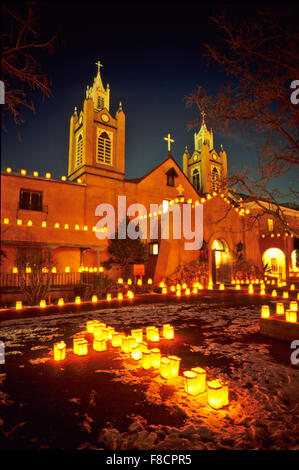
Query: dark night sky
point(152, 57)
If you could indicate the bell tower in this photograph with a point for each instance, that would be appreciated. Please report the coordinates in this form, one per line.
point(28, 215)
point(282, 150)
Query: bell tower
point(97, 139)
point(205, 168)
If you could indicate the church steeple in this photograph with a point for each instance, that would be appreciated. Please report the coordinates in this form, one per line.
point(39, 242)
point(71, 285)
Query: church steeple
point(97, 139)
point(204, 136)
point(97, 92)
point(206, 169)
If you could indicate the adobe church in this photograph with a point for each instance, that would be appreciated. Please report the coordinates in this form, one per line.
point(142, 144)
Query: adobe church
point(39, 212)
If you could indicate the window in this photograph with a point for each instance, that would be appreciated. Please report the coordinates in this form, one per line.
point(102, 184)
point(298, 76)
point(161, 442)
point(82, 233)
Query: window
point(215, 179)
point(101, 102)
point(31, 200)
point(153, 249)
point(270, 225)
point(195, 179)
point(171, 175)
point(104, 150)
point(79, 150)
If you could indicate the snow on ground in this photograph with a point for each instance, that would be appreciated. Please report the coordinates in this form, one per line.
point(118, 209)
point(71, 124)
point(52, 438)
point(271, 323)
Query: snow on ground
point(264, 386)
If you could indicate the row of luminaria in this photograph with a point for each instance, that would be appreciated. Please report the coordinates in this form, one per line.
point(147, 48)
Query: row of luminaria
point(139, 350)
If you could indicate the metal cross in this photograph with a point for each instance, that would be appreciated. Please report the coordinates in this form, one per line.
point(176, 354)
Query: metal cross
point(169, 140)
point(98, 63)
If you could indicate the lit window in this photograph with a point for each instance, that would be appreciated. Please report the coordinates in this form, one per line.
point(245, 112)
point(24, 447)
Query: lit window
point(79, 150)
point(270, 225)
point(154, 249)
point(104, 150)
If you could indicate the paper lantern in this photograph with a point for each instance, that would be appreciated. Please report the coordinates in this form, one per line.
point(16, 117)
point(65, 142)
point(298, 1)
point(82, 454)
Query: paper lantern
point(184, 286)
point(172, 288)
point(161, 284)
point(6, 220)
point(59, 351)
point(293, 306)
point(237, 287)
point(146, 359)
point(120, 280)
point(94, 298)
point(178, 287)
point(250, 289)
point(285, 295)
point(210, 286)
point(168, 332)
point(137, 334)
point(195, 381)
point(105, 333)
point(136, 352)
point(80, 346)
point(291, 316)
point(18, 305)
point(274, 293)
point(153, 335)
point(265, 311)
point(126, 344)
point(178, 293)
point(139, 282)
point(216, 394)
point(28, 270)
point(164, 290)
point(202, 378)
point(150, 281)
point(60, 302)
point(279, 308)
point(116, 340)
point(194, 290)
point(148, 330)
point(174, 365)
point(221, 287)
point(42, 303)
point(89, 326)
point(262, 291)
point(165, 369)
point(130, 294)
point(78, 300)
point(129, 281)
point(98, 331)
point(108, 297)
point(187, 291)
point(120, 296)
point(292, 287)
point(99, 344)
point(155, 358)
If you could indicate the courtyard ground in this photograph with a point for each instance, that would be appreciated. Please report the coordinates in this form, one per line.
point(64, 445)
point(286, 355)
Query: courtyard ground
point(107, 401)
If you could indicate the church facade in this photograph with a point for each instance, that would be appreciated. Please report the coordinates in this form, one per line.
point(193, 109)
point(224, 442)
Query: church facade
point(40, 213)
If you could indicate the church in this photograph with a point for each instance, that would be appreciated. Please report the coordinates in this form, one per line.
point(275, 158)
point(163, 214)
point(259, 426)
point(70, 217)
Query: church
point(41, 213)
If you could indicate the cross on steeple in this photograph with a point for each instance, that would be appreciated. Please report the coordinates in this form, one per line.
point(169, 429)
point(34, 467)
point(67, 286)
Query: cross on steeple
point(169, 140)
point(98, 63)
point(203, 114)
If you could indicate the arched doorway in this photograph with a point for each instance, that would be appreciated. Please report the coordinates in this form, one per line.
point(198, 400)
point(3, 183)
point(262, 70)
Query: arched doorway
point(221, 262)
point(274, 261)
